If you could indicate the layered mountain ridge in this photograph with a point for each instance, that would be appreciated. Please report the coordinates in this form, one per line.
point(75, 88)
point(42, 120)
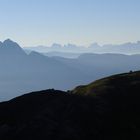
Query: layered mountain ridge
point(23, 73)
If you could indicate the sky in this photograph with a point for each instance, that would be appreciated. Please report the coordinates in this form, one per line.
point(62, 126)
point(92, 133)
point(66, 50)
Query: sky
point(81, 22)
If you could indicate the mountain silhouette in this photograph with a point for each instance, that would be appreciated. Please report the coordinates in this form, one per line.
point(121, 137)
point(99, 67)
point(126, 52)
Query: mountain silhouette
point(8, 47)
point(106, 109)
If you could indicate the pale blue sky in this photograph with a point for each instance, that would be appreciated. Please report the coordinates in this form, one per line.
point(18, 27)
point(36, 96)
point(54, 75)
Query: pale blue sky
point(36, 22)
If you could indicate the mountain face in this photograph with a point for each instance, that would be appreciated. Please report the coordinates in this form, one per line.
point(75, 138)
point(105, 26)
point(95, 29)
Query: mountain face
point(107, 109)
point(8, 47)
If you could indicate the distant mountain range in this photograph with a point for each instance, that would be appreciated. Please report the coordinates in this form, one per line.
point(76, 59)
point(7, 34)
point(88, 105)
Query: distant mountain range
point(126, 48)
point(21, 72)
point(108, 109)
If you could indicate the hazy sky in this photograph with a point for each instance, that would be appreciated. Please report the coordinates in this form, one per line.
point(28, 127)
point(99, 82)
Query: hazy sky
point(35, 22)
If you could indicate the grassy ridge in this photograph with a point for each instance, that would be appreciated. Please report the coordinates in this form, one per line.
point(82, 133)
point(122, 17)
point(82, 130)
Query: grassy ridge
point(109, 84)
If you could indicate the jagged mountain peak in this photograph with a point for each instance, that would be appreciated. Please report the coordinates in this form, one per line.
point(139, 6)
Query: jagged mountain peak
point(9, 43)
point(8, 40)
point(10, 47)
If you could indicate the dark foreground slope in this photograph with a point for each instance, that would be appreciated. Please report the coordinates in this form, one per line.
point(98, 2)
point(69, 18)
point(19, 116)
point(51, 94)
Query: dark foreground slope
point(113, 113)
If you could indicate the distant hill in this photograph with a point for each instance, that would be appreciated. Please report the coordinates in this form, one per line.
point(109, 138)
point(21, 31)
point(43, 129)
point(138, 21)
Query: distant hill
point(62, 54)
point(107, 109)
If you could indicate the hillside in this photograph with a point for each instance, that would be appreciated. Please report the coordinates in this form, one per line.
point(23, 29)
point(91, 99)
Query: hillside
point(109, 112)
point(116, 83)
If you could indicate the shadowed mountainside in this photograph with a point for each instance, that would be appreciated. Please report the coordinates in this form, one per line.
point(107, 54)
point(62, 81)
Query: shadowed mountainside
point(110, 111)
